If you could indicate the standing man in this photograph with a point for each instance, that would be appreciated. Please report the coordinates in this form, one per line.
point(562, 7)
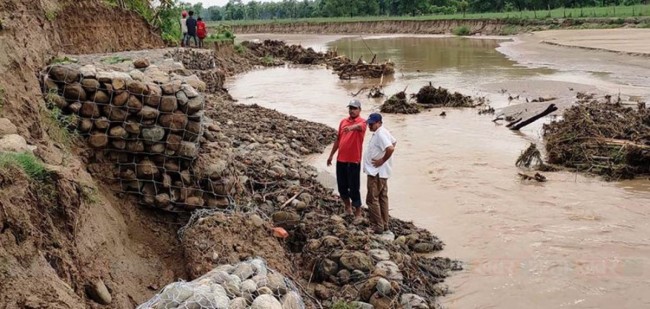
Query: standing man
point(183, 28)
point(349, 144)
point(377, 165)
point(191, 29)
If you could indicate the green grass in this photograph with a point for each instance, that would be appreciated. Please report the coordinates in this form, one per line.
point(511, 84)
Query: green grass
point(50, 15)
point(31, 165)
point(591, 12)
point(343, 305)
point(114, 59)
point(58, 125)
point(462, 30)
point(240, 49)
point(267, 60)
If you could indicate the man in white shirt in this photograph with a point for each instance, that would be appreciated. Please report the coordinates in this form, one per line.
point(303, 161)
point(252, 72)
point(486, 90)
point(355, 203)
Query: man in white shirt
point(377, 165)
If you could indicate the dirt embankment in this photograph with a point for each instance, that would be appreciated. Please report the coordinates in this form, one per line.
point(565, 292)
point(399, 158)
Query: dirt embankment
point(475, 26)
point(62, 237)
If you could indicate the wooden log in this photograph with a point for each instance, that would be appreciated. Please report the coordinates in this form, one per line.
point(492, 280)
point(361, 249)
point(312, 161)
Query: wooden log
point(551, 108)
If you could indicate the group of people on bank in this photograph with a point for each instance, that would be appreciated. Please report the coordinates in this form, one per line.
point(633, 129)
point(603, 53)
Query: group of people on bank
point(192, 29)
point(376, 163)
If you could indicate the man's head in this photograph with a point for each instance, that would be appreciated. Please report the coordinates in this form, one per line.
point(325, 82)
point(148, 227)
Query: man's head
point(374, 121)
point(191, 13)
point(184, 14)
point(199, 19)
point(354, 108)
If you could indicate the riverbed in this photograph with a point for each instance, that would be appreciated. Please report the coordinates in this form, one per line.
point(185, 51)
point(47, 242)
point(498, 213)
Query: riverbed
point(574, 241)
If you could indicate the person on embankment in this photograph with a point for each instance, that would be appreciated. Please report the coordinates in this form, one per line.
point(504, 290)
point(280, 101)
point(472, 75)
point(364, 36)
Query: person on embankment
point(201, 31)
point(377, 164)
point(191, 30)
point(349, 144)
point(183, 28)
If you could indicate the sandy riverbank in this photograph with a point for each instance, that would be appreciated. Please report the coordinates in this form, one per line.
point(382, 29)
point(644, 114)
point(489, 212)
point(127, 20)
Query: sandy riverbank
point(626, 41)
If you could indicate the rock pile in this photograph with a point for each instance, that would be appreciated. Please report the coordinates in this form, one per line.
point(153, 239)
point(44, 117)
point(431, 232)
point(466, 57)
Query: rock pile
point(202, 63)
point(248, 284)
point(333, 258)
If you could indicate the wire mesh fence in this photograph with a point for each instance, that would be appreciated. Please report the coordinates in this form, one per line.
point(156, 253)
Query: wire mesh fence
point(145, 135)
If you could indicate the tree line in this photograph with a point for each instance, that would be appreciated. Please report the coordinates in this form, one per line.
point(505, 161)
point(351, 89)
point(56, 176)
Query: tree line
point(290, 9)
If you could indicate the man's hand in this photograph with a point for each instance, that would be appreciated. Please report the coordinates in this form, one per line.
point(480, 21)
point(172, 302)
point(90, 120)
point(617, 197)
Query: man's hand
point(354, 127)
point(378, 162)
point(329, 161)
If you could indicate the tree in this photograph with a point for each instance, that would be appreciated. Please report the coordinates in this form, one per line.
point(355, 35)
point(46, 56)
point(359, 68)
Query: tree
point(462, 6)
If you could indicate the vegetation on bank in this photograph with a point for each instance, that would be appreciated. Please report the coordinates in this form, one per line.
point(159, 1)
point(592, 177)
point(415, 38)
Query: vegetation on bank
point(642, 13)
point(237, 12)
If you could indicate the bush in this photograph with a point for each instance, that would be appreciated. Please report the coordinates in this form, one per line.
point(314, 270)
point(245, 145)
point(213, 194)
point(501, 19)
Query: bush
point(462, 30)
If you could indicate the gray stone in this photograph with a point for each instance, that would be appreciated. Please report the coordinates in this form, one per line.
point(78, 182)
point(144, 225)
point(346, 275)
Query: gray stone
point(249, 286)
point(279, 169)
point(172, 87)
point(182, 98)
point(362, 305)
point(189, 91)
point(413, 301)
point(276, 283)
point(383, 287)
point(379, 255)
point(195, 82)
point(292, 300)
point(259, 266)
point(389, 270)
point(148, 112)
point(238, 303)
point(387, 236)
point(266, 302)
point(99, 293)
point(256, 220)
point(88, 71)
point(356, 260)
point(74, 92)
point(232, 288)
point(217, 276)
point(137, 75)
point(7, 127)
point(15, 143)
point(264, 290)
point(153, 134)
point(243, 271)
point(188, 149)
point(194, 105)
point(344, 276)
point(156, 75)
point(217, 169)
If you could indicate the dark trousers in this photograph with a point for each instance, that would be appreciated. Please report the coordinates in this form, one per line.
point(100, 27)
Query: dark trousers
point(348, 181)
point(187, 40)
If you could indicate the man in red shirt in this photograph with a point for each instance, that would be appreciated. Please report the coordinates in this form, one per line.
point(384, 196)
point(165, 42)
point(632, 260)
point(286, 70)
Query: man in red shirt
point(349, 144)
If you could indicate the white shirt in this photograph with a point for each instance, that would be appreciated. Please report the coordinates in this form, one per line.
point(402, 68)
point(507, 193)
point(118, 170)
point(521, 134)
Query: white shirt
point(183, 25)
point(380, 140)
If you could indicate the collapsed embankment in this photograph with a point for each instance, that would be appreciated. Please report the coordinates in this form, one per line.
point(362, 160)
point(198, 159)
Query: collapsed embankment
point(443, 26)
point(62, 236)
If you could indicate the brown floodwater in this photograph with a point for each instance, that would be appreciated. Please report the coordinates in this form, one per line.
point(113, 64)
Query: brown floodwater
point(574, 241)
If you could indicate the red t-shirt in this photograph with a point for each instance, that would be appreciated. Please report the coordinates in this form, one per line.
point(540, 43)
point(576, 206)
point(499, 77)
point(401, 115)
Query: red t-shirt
point(201, 30)
point(351, 142)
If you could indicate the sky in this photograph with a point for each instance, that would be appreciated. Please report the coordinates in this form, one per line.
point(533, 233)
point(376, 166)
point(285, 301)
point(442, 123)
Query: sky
point(209, 3)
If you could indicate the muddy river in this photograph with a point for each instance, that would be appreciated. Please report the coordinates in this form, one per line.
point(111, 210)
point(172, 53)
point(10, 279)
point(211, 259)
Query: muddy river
point(574, 241)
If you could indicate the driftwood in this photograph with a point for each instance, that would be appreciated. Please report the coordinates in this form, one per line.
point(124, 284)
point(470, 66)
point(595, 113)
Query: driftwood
point(520, 123)
point(537, 177)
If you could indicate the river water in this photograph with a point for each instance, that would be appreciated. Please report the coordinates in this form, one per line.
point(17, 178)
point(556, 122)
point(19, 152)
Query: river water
point(574, 241)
